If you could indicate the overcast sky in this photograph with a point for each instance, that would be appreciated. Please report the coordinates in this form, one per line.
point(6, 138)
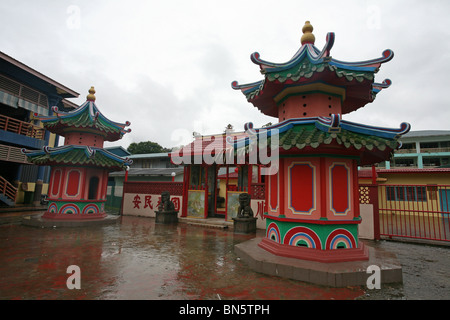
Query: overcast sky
point(167, 66)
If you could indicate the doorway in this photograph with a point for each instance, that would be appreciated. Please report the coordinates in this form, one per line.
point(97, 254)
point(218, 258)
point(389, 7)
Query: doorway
point(93, 188)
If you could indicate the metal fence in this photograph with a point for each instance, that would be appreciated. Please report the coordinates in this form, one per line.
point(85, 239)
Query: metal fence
point(415, 211)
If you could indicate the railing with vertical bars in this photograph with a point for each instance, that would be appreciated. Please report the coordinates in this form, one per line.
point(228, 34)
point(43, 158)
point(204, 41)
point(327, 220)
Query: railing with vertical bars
point(21, 127)
point(415, 211)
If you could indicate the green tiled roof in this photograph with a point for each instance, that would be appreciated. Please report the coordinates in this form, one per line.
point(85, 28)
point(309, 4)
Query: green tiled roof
point(311, 65)
point(306, 69)
point(77, 155)
point(370, 144)
point(87, 116)
point(311, 136)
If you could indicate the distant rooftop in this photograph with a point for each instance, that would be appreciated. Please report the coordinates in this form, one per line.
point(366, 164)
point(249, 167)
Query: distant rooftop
point(149, 172)
point(426, 133)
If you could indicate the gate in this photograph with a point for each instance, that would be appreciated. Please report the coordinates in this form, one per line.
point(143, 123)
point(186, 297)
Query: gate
point(415, 211)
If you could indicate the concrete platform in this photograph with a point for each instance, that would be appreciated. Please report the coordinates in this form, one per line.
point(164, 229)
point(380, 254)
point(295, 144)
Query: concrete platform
point(39, 222)
point(339, 274)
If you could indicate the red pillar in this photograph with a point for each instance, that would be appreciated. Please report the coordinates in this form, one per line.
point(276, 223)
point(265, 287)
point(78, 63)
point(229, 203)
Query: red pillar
point(187, 171)
point(281, 188)
point(356, 190)
point(373, 195)
point(226, 194)
point(206, 191)
point(323, 189)
point(266, 193)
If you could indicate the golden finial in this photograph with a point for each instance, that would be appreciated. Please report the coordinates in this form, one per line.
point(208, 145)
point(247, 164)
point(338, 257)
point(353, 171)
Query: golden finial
point(308, 36)
point(91, 96)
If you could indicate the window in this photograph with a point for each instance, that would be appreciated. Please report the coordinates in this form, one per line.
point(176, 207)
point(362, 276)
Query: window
point(409, 146)
point(431, 162)
point(428, 145)
point(432, 192)
point(404, 162)
point(406, 193)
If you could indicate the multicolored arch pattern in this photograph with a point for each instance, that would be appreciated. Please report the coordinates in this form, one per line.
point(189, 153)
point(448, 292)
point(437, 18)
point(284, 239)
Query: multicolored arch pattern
point(302, 237)
point(91, 209)
point(69, 208)
point(340, 239)
point(53, 208)
point(273, 233)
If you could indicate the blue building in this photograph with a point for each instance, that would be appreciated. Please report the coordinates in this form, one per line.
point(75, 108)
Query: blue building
point(25, 93)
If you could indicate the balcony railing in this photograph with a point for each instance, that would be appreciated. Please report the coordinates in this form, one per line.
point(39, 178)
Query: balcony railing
point(21, 127)
point(434, 150)
point(8, 189)
point(424, 150)
point(406, 151)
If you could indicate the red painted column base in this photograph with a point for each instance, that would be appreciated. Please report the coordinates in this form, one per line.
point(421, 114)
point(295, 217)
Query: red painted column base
point(326, 256)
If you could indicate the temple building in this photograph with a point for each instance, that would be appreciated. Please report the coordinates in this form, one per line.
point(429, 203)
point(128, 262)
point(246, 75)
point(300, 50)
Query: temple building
point(80, 168)
point(312, 198)
point(214, 177)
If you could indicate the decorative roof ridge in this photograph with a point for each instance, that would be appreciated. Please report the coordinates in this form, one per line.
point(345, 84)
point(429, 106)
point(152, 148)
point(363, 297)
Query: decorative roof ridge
point(308, 50)
point(382, 132)
point(377, 87)
point(248, 87)
point(387, 56)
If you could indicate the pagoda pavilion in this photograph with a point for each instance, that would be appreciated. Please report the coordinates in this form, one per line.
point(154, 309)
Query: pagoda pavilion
point(79, 168)
point(312, 201)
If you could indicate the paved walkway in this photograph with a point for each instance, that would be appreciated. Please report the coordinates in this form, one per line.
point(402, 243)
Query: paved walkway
point(138, 259)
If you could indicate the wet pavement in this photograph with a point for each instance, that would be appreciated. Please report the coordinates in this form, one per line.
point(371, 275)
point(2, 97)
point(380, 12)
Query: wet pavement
point(138, 259)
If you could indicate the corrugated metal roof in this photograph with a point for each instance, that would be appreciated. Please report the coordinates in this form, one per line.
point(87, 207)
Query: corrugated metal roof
point(149, 155)
point(426, 133)
point(367, 173)
point(414, 170)
point(149, 172)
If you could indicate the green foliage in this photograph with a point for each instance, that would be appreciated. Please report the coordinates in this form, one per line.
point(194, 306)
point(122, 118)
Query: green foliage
point(146, 147)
